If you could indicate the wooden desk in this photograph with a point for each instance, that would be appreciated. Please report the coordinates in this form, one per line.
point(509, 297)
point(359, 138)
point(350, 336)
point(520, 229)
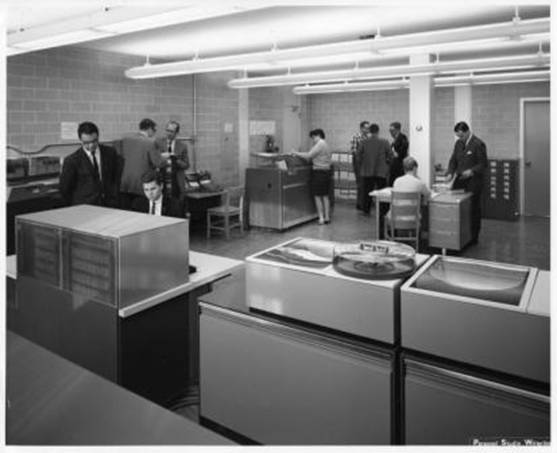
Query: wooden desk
point(449, 218)
point(204, 195)
point(381, 196)
point(198, 203)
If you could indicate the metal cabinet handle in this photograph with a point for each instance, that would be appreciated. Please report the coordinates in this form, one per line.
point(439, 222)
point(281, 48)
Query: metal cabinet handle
point(432, 370)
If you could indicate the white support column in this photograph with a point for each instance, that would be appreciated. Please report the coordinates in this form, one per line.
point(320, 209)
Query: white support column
point(291, 122)
point(243, 133)
point(463, 104)
point(421, 107)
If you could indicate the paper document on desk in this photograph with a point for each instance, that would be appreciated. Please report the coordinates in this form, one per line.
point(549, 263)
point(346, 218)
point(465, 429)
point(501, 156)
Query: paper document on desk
point(386, 192)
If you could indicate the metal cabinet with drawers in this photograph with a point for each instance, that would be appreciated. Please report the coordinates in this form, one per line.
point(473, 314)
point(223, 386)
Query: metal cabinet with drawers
point(450, 220)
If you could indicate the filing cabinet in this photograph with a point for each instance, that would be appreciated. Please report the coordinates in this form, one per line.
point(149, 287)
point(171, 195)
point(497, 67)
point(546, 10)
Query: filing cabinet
point(500, 195)
point(449, 220)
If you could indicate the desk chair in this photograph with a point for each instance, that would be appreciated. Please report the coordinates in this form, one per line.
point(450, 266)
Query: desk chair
point(228, 215)
point(402, 223)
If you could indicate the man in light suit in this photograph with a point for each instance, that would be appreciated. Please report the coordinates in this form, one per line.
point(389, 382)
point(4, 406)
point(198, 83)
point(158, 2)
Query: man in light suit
point(90, 174)
point(139, 155)
point(154, 202)
point(177, 162)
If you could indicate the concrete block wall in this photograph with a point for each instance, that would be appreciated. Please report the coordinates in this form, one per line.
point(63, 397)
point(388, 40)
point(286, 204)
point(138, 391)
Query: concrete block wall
point(340, 114)
point(216, 143)
point(496, 115)
point(442, 137)
point(72, 84)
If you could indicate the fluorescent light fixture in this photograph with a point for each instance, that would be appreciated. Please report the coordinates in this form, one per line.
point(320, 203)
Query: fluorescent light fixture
point(505, 77)
point(466, 46)
point(367, 49)
point(485, 64)
point(472, 79)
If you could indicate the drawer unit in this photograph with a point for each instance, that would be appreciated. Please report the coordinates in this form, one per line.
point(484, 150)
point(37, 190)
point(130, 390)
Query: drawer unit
point(449, 220)
point(280, 385)
point(448, 407)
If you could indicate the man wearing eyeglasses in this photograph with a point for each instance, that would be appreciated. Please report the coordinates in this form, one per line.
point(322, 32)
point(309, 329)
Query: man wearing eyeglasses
point(177, 161)
point(90, 174)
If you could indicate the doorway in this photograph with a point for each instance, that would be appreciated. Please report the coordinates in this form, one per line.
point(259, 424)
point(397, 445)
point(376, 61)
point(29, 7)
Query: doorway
point(534, 156)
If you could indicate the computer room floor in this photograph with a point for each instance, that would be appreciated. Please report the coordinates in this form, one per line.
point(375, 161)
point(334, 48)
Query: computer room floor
point(525, 241)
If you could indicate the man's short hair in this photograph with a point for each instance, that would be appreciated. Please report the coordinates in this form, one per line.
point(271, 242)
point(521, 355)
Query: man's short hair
point(395, 125)
point(461, 126)
point(151, 176)
point(175, 123)
point(364, 123)
point(146, 124)
point(318, 132)
point(374, 128)
point(409, 163)
point(87, 127)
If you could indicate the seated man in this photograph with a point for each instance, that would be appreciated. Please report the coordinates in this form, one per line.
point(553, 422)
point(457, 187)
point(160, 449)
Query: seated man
point(410, 182)
point(154, 202)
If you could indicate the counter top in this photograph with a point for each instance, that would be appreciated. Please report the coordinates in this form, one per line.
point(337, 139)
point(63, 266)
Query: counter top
point(209, 269)
point(51, 401)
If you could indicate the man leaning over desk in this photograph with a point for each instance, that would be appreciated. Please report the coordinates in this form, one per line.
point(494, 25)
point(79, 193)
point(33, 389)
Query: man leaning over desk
point(466, 167)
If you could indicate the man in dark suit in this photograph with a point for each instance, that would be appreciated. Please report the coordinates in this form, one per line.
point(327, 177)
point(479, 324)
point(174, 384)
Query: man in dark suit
point(467, 166)
point(399, 151)
point(373, 153)
point(177, 162)
point(139, 155)
point(154, 202)
point(90, 174)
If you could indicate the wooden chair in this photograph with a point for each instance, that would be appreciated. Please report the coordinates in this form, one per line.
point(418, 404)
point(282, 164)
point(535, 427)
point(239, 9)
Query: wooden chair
point(402, 223)
point(228, 215)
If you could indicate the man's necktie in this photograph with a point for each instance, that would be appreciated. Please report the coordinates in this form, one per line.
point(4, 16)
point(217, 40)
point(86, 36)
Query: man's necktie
point(95, 164)
point(152, 210)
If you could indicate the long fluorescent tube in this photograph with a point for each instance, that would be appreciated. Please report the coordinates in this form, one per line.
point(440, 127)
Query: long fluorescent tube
point(466, 46)
point(484, 64)
point(373, 48)
point(482, 79)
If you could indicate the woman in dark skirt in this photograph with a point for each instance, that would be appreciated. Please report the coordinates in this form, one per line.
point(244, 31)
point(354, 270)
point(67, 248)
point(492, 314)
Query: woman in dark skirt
point(320, 156)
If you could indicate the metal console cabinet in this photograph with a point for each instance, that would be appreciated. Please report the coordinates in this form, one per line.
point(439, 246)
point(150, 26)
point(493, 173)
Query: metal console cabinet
point(449, 220)
point(280, 385)
point(78, 267)
point(278, 198)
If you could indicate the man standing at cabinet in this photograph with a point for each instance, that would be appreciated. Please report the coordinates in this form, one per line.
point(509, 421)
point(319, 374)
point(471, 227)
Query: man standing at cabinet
point(354, 143)
point(176, 163)
point(399, 151)
point(466, 168)
point(140, 155)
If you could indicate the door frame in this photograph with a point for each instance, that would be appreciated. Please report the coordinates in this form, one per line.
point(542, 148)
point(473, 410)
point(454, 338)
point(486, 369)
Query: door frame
point(522, 184)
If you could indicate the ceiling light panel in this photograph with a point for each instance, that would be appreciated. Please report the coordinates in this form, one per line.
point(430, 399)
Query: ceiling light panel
point(349, 51)
point(485, 64)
